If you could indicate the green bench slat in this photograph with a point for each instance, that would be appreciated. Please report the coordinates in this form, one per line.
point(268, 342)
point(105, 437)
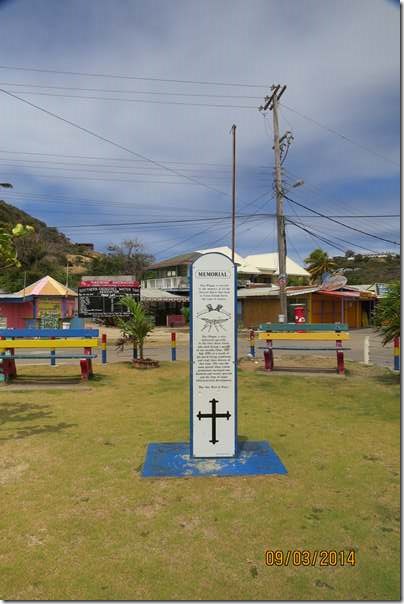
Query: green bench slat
point(282, 327)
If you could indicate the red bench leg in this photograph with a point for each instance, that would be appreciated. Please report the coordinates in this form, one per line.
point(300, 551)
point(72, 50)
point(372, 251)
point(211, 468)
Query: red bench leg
point(13, 368)
point(340, 358)
point(87, 350)
point(269, 357)
point(85, 372)
point(7, 369)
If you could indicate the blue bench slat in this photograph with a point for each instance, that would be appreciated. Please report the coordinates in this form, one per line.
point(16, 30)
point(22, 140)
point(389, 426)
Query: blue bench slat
point(303, 327)
point(49, 333)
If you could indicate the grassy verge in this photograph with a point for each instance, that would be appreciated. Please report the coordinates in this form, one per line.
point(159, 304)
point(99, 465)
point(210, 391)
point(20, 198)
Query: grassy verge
point(78, 522)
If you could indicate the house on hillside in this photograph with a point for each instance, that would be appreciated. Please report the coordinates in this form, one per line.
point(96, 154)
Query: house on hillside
point(256, 270)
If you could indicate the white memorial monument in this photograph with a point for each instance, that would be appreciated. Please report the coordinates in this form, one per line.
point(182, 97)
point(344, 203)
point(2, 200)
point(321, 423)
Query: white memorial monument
point(213, 380)
point(213, 357)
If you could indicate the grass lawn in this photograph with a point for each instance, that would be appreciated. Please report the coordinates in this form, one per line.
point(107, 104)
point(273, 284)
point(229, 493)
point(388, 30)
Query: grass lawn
point(78, 522)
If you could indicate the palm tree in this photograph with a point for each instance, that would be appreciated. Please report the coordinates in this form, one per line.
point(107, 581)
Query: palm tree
point(318, 263)
point(387, 314)
point(136, 328)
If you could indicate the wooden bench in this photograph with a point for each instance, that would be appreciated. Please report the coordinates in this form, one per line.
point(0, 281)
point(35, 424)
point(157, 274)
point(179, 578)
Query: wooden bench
point(302, 332)
point(53, 339)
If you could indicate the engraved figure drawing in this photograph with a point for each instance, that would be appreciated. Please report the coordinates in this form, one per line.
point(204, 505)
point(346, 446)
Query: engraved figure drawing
point(214, 317)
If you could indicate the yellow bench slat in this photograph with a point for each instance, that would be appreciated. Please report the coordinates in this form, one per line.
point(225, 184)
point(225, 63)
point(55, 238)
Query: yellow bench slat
point(48, 343)
point(325, 335)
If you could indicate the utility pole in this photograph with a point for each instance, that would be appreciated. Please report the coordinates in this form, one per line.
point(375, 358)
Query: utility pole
point(233, 216)
point(271, 102)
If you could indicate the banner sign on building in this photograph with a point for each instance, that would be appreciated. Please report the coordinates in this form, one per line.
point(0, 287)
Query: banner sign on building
point(213, 357)
point(49, 307)
point(100, 299)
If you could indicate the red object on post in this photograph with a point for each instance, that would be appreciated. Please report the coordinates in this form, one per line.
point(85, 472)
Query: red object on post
point(299, 314)
point(175, 321)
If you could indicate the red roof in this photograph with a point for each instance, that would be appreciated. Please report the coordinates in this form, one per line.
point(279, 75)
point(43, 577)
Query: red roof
point(339, 294)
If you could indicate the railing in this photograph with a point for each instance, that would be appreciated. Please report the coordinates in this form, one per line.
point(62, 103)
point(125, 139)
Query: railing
point(166, 283)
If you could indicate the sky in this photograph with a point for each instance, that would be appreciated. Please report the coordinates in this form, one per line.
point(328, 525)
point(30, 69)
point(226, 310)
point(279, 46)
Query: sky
point(164, 82)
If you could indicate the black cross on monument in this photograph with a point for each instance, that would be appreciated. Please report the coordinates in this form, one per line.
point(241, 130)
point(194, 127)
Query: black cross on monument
point(213, 416)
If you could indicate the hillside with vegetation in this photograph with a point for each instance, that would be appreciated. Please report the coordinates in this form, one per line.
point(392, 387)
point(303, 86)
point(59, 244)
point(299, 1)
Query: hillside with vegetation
point(42, 252)
point(47, 251)
point(362, 268)
point(359, 269)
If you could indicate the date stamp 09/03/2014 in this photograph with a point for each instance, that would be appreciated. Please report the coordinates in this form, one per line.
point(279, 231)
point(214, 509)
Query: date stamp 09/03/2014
point(278, 557)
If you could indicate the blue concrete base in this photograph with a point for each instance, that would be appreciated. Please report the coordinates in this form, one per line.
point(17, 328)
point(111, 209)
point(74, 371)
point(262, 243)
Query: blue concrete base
point(173, 460)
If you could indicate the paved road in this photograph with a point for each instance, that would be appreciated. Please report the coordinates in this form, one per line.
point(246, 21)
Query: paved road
point(379, 355)
point(160, 349)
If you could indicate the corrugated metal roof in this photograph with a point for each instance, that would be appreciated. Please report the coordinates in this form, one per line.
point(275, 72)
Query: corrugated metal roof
point(176, 260)
point(270, 262)
point(159, 295)
point(47, 286)
point(266, 264)
point(263, 292)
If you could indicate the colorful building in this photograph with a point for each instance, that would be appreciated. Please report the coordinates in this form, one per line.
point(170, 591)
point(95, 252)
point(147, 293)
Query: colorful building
point(45, 303)
point(348, 304)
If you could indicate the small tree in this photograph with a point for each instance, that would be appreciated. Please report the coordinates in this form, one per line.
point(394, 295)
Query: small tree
point(387, 314)
point(8, 252)
point(136, 328)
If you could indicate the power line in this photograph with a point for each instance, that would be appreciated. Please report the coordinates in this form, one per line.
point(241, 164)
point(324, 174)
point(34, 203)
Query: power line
point(107, 140)
point(334, 236)
point(50, 164)
point(198, 82)
point(125, 159)
point(342, 136)
point(148, 101)
point(127, 171)
point(158, 208)
point(127, 77)
point(126, 91)
point(331, 200)
point(179, 221)
point(209, 229)
point(320, 238)
point(339, 222)
point(150, 182)
point(350, 243)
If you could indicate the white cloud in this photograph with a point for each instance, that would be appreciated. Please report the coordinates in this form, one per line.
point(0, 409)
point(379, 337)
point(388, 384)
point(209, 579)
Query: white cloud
point(340, 61)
